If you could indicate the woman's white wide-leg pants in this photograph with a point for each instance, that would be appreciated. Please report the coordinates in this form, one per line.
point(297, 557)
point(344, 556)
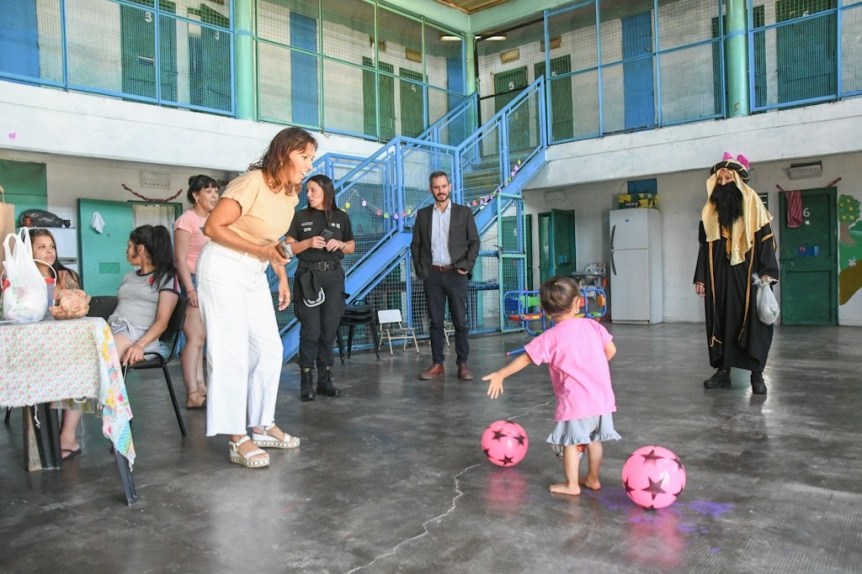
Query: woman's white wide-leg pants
point(244, 350)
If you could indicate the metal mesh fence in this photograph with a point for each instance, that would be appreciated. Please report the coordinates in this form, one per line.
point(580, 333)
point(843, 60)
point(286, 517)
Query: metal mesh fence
point(796, 52)
point(341, 100)
point(511, 246)
point(689, 83)
point(851, 50)
point(685, 22)
point(316, 59)
point(173, 53)
point(445, 60)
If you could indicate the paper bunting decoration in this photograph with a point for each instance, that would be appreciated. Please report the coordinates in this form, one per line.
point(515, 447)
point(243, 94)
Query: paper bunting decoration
point(151, 199)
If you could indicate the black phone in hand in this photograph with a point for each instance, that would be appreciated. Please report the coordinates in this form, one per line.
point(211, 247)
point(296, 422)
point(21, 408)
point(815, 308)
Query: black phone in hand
point(327, 235)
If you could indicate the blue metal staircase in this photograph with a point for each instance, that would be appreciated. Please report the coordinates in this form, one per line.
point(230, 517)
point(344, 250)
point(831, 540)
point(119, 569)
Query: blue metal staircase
point(383, 192)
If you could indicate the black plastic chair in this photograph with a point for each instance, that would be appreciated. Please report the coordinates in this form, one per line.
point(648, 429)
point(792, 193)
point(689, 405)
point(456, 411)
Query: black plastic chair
point(102, 306)
point(359, 313)
point(171, 338)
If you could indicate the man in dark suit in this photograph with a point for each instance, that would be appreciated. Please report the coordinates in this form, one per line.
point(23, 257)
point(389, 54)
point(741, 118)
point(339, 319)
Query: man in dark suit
point(444, 248)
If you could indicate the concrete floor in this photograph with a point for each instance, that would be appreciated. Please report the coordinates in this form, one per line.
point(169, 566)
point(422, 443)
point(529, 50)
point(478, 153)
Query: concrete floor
point(391, 478)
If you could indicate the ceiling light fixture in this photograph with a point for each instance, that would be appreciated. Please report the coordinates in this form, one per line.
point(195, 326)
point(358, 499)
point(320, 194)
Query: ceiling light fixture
point(449, 38)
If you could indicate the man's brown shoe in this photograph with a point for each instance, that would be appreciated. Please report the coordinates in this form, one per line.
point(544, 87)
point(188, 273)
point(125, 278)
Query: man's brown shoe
point(433, 371)
point(464, 372)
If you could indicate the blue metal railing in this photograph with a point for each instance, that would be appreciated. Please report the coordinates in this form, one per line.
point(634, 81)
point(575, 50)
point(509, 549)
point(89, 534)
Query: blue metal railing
point(392, 182)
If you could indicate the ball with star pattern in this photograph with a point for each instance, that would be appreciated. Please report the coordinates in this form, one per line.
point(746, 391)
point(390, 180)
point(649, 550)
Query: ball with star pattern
point(653, 477)
point(505, 443)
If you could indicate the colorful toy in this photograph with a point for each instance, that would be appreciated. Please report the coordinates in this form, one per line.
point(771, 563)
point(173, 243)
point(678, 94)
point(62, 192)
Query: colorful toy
point(505, 443)
point(653, 477)
point(525, 307)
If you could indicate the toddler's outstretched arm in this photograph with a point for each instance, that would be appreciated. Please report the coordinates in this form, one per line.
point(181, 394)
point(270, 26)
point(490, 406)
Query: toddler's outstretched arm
point(495, 388)
point(610, 350)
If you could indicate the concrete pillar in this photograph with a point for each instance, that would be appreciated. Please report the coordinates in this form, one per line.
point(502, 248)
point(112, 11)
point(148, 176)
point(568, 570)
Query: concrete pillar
point(243, 17)
point(736, 60)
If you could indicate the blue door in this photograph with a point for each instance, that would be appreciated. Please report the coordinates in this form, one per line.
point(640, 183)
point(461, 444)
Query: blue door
point(638, 72)
point(455, 79)
point(19, 38)
point(303, 75)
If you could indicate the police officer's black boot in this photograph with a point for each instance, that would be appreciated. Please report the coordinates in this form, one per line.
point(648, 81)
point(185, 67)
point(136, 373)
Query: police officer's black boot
point(306, 385)
point(324, 383)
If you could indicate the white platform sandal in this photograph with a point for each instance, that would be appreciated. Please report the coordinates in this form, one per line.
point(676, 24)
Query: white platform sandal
point(247, 459)
point(266, 440)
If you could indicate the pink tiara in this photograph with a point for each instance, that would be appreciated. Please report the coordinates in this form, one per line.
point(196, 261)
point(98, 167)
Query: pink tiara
point(740, 158)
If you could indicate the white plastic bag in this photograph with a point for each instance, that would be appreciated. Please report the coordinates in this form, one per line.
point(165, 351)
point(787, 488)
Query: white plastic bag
point(26, 298)
point(767, 305)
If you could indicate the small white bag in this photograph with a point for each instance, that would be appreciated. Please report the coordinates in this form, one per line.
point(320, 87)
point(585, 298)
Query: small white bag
point(767, 304)
point(26, 298)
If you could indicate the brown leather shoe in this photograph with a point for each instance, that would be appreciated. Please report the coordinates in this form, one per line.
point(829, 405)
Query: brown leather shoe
point(433, 371)
point(464, 372)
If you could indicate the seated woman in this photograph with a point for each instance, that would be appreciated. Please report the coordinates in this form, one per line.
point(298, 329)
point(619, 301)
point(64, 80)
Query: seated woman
point(45, 252)
point(146, 297)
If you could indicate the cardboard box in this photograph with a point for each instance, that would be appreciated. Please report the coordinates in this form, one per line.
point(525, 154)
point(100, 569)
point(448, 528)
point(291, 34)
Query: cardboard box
point(635, 200)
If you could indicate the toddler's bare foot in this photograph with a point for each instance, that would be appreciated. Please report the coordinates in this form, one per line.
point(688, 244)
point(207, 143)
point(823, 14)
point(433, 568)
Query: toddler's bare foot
point(564, 488)
point(592, 484)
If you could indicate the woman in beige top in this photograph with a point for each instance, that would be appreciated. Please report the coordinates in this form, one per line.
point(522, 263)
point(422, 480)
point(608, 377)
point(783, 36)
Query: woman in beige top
point(244, 350)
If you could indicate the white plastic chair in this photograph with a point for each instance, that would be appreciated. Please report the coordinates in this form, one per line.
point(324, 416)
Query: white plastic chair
point(391, 328)
point(448, 329)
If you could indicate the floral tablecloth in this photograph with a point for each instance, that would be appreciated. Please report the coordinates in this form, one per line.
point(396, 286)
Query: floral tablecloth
point(67, 362)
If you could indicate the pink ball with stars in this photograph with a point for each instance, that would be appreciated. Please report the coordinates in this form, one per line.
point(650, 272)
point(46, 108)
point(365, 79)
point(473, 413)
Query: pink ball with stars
point(505, 443)
point(653, 477)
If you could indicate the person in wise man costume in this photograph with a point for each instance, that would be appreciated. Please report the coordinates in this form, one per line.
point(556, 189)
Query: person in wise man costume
point(736, 241)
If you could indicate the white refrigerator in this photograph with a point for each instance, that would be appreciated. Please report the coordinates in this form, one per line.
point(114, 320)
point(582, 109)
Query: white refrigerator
point(636, 266)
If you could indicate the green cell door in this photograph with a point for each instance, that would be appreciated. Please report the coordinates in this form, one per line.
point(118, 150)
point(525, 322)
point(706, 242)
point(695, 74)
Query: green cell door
point(557, 249)
point(26, 185)
point(138, 42)
point(378, 88)
point(412, 106)
point(214, 67)
point(809, 275)
point(507, 86)
point(103, 255)
point(805, 50)
point(562, 118)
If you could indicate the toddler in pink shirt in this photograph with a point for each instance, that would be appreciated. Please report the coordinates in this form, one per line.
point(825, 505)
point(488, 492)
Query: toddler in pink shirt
point(577, 352)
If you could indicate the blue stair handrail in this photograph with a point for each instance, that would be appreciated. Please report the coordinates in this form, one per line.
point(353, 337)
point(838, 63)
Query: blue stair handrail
point(396, 177)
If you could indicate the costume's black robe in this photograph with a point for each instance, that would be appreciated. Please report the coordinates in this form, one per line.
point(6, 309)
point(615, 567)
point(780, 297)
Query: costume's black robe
point(735, 335)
